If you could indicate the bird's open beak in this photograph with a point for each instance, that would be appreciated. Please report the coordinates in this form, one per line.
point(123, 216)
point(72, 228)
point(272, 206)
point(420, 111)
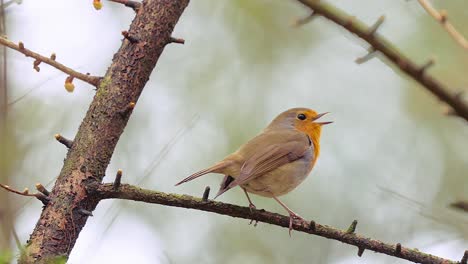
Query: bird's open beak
point(322, 123)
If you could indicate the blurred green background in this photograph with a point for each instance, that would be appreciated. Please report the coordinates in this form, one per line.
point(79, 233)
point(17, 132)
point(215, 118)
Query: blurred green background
point(392, 159)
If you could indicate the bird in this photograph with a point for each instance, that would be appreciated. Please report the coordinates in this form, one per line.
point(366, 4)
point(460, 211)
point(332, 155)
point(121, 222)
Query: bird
point(274, 162)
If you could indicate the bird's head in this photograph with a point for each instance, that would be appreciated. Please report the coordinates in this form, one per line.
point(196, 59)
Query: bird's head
point(302, 119)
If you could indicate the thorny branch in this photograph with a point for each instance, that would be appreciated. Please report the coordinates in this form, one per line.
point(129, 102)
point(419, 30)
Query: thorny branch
point(93, 80)
point(41, 195)
point(129, 192)
point(378, 43)
point(442, 18)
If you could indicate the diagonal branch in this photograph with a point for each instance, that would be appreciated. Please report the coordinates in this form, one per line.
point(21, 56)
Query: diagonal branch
point(93, 80)
point(63, 218)
point(441, 17)
point(382, 45)
point(129, 192)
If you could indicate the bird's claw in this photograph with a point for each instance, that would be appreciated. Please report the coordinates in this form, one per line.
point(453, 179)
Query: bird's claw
point(293, 216)
point(252, 207)
point(252, 220)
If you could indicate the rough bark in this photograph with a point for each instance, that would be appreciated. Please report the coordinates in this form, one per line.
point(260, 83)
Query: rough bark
point(62, 219)
point(129, 192)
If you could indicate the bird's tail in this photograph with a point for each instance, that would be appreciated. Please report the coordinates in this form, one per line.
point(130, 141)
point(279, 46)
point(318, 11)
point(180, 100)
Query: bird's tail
point(217, 168)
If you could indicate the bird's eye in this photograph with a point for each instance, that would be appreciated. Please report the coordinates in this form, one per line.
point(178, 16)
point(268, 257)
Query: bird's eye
point(301, 117)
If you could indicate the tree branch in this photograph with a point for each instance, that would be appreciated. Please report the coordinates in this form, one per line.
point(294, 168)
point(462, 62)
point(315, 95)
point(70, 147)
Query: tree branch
point(128, 3)
point(129, 192)
point(93, 80)
point(40, 196)
point(460, 205)
point(380, 44)
point(65, 215)
point(442, 18)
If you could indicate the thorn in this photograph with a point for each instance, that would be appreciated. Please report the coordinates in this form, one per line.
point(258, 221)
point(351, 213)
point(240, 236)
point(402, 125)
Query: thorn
point(360, 251)
point(464, 259)
point(53, 56)
point(176, 40)
point(67, 142)
point(118, 179)
point(302, 21)
point(36, 65)
point(352, 227)
point(398, 249)
point(42, 189)
point(426, 65)
point(85, 212)
point(312, 226)
point(376, 25)
point(132, 39)
point(371, 53)
point(206, 194)
point(21, 45)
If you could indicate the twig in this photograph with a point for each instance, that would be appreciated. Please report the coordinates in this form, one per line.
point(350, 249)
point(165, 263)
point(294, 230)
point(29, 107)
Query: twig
point(461, 205)
point(130, 38)
point(65, 141)
point(441, 17)
point(42, 189)
point(85, 212)
point(371, 53)
point(132, 4)
point(176, 40)
point(302, 21)
point(373, 29)
point(93, 80)
point(352, 227)
point(118, 179)
point(386, 48)
point(360, 251)
point(128, 192)
point(41, 197)
point(206, 194)
point(426, 65)
point(398, 249)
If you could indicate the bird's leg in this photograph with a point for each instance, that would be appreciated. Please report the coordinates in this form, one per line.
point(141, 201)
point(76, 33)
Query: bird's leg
point(251, 205)
point(292, 215)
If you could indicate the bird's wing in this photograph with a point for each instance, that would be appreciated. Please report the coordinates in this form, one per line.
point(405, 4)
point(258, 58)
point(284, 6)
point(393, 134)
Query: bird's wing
point(268, 159)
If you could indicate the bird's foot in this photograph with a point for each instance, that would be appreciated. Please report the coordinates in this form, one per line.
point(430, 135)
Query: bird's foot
point(252, 220)
point(293, 216)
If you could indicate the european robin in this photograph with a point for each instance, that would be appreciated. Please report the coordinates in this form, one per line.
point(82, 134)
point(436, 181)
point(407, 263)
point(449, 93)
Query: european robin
point(275, 161)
